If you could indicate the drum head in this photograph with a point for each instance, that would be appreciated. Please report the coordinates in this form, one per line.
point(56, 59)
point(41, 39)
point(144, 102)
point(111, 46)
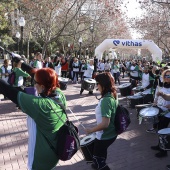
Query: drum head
point(138, 94)
point(137, 88)
point(87, 139)
point(89, 80)
point(62, 79)
point(164, 131)
point(122, 86)
point(149, 112)
point(134, 97)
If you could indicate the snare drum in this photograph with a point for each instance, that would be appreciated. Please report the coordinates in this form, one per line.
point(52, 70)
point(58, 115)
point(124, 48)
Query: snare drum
point(87, 146)
point(63, 82)
point(140, 107)
point(137, 89)
point(88, 84)
point(149, 115)
point(125, 89)
point(164, 139)
point(134, 100)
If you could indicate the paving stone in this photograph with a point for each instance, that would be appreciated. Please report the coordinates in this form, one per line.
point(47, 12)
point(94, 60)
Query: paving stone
point(131, 150)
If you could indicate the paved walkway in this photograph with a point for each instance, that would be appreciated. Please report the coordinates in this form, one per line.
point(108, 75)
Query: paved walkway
point(131, 150)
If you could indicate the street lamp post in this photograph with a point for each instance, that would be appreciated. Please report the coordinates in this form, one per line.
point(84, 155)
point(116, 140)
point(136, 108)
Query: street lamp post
point(80, 42)
point(22, 24)
point(92, 30)
point(18, 37)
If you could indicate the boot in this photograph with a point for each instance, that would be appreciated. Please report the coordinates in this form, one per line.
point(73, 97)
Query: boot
point(156, 148)
point(161, 154)
point(99, 163)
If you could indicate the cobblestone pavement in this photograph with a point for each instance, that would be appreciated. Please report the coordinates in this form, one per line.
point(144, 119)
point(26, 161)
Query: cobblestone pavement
point(131, 150)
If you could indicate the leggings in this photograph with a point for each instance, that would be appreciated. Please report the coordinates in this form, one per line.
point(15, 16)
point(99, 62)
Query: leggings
point(75, 74)
point(116, 77)
point(101, 146)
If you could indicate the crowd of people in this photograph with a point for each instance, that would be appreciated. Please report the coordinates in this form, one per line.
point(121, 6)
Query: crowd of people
point(42, 120)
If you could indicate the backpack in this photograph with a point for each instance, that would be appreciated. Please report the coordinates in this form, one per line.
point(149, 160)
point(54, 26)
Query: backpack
point(68, 142)
point(122, 119)
point(11, 79)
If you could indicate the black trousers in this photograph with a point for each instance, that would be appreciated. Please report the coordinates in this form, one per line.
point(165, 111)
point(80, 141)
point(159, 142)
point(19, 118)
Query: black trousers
point(116, 77)
point(101, 146)
point(75, 74)
point(64, 74)
point(163, 122)
point(81, 75)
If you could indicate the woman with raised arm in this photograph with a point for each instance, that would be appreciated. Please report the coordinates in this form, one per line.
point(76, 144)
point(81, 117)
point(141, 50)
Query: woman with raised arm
point(45, 121)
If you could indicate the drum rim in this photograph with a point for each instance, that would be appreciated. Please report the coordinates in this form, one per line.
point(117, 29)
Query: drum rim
point(93, 136)
point(139, 97)
point(63, 78)
point(148, 115)
point(93, 80)
point(159, 132)
point(124, 86)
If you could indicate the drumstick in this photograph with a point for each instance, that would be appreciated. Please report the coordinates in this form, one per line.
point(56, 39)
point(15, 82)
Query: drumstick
point(76, 118)
point(158, 86)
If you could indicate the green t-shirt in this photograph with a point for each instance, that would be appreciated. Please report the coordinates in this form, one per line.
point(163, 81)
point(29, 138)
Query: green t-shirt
point(19, 74)
point(106, 108)
point(47, 123)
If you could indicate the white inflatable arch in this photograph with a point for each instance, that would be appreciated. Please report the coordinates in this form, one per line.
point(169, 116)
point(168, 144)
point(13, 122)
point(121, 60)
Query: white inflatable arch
point(130, 44)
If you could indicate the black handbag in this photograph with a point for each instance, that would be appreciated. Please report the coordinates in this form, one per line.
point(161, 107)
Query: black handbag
point(68, 142)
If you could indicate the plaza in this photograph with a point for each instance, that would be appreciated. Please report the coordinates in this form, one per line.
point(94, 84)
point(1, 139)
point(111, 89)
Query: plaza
point(130, 151)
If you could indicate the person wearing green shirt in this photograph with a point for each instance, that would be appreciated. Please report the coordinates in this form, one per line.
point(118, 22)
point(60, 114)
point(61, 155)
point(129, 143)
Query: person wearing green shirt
point(19, 74)
point(105, 115)
point(47, 122)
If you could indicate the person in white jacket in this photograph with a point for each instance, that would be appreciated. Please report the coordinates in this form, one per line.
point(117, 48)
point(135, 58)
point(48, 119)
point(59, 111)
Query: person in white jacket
point(107, 66)
point(101, 66)
point(5, 70)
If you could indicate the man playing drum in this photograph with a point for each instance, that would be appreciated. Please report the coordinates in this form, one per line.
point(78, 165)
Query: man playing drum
point(88, 74)
point(134, 68)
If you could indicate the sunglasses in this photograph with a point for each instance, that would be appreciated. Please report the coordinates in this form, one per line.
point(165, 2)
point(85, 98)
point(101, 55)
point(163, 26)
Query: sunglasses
point(35, 82)
point(167, 76)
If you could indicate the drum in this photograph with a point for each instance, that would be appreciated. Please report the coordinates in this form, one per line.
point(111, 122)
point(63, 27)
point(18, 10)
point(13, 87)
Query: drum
point(134, 100)
point(140, 107)
point(30, 90)
point(87, 145)
point(137, 89)
point(88, 84)
point(149, 115)
point(125, 89)
point(164, 139)
point(63, 82)
point(134, 73)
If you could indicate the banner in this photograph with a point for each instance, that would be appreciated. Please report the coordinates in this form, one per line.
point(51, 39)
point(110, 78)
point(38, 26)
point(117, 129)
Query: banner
point(129, 44)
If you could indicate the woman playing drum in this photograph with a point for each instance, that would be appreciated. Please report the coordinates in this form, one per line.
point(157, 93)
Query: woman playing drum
point(105, 115)
point(164, 106)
